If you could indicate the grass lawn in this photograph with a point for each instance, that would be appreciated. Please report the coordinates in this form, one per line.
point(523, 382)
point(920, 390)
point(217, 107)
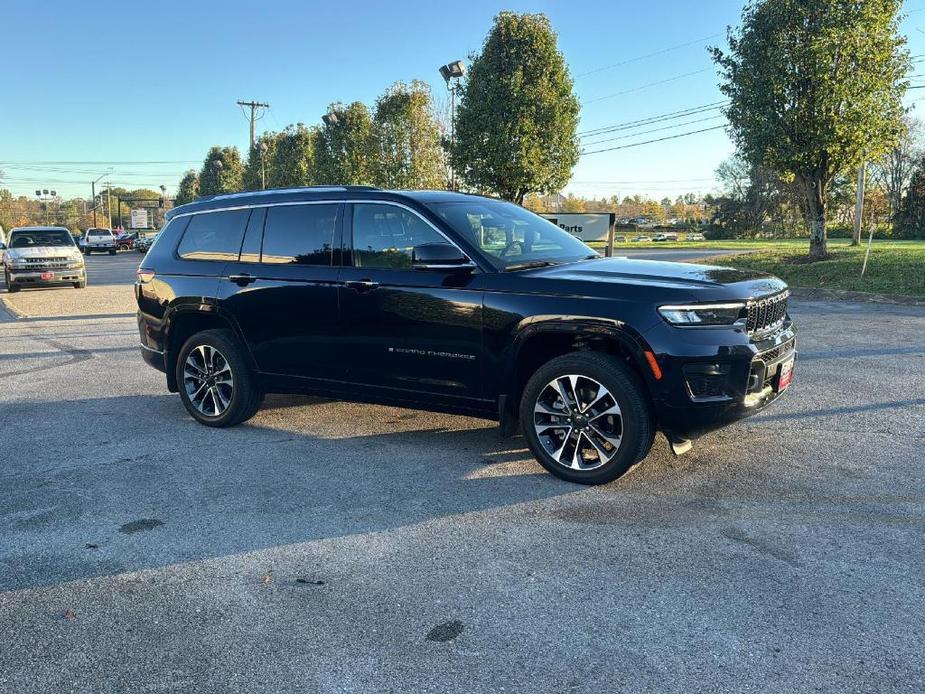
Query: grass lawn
point(894, 267)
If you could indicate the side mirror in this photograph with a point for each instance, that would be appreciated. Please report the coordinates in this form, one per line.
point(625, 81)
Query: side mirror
point(439, 256)
point(2, 246)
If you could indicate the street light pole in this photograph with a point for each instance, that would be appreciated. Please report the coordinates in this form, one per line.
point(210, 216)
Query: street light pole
point(452, 73)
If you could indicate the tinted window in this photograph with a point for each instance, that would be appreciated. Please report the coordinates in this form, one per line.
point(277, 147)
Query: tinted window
point(214, 236)
point(250, 249)
point(384, 235)
point(299, 234)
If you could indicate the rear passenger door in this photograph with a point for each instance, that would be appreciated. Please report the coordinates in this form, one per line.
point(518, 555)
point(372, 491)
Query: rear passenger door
point(283, 290)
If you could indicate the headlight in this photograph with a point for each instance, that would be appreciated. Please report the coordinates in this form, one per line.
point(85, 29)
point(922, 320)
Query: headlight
point(702, 314)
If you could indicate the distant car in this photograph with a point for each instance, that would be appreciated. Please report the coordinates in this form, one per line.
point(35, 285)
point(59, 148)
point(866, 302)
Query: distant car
point(144, 243)
point(125, 241)
point(665, 237)
point(99, 241)
point(695, 236)
point(642, 238)
point(619, 238)
point(42, 256)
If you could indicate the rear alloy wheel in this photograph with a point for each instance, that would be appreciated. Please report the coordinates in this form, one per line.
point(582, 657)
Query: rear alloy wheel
point(586, 417)
point(215, 382)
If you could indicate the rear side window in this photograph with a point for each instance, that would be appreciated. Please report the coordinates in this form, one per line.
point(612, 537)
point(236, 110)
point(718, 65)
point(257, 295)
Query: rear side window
point(299, 234)
point(214, 236)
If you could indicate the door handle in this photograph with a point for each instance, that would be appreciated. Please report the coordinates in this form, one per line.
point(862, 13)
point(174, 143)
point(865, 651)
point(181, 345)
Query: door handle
point(362, 285)
point(242, 279)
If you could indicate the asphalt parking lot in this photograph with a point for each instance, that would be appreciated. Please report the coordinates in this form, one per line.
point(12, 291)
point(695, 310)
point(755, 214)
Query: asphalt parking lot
point(329, 546)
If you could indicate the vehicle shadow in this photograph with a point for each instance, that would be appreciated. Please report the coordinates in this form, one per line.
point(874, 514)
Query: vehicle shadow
point(128, 483)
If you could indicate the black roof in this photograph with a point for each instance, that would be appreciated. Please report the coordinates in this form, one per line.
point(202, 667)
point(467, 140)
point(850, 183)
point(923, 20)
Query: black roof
point(309, 193)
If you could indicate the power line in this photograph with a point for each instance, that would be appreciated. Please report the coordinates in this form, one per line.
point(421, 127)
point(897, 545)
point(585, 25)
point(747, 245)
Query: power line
point(648, 142)
point(661, 51)
point(653, 130)
point(99, 162)
point(647, 86)
point(672, 115)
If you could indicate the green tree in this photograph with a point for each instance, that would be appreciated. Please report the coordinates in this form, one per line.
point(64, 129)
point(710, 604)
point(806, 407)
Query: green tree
point(406, 139)
point(257, 169)
point(292, 163)
point(517, 116)
point(343, 146)
point(222, 171)
point(815, 88)
point(188, 190)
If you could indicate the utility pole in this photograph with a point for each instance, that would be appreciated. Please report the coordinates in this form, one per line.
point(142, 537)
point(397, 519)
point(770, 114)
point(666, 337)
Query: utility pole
point(253, 106)
point(859, 205)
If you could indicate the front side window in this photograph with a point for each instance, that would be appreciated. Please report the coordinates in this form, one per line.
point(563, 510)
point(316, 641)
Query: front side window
point(385, 235)
point(509, 234)
point(214, 236)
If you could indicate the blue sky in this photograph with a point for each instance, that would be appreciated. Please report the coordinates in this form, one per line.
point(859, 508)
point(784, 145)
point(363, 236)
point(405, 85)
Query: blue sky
point(164, 89)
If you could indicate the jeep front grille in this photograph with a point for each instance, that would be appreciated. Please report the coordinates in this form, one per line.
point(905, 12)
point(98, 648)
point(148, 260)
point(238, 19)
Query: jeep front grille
point(765, 315)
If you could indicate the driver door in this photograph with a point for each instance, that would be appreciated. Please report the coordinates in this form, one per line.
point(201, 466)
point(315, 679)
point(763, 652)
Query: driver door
point(406, 329)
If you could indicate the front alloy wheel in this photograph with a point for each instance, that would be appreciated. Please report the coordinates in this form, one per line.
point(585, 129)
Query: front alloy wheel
point(208, 380)
point(587, 417)
point(578, 421)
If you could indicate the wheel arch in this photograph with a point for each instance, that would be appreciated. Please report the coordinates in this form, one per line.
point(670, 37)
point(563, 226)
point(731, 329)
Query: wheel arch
point(182, 322)
point(538, 343)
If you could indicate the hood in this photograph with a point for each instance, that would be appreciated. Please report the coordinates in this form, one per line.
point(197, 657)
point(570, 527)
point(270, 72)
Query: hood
point(698, 282)
point(43, 252)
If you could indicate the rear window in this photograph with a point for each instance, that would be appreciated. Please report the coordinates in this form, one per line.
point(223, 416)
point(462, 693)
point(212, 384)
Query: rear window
point(99, 232)
point(50, 237)
point(299, 234)
point(214, 236)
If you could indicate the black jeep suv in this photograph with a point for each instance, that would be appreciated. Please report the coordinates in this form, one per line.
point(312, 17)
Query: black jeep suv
point(455, 303)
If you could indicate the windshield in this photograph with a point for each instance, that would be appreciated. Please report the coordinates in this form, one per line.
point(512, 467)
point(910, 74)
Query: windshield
point(512, 236)
point(40, 237)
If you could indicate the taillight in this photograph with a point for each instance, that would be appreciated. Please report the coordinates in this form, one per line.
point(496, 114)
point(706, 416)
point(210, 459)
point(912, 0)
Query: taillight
point(144, 275)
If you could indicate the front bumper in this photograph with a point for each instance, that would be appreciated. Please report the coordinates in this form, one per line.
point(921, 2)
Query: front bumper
point(716, 377)
point(58, 276)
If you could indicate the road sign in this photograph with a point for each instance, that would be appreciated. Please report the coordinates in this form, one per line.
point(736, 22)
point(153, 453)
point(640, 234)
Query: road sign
point(139, 218)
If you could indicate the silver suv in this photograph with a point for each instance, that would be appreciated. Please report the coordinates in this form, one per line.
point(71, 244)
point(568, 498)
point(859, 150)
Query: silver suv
point(42, 256)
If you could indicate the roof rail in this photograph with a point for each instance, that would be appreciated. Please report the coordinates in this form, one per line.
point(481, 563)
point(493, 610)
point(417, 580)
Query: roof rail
point(249, 193)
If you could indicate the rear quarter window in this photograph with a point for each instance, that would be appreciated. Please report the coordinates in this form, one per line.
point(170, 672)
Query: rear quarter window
point(214, 236)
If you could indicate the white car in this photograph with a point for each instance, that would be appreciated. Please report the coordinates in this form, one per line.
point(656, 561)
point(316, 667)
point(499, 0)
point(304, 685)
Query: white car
point(99, 241)
point(694, 236)
point(42, 256)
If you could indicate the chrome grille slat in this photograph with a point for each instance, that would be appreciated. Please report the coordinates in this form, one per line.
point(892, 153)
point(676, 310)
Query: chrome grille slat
point(767, 314)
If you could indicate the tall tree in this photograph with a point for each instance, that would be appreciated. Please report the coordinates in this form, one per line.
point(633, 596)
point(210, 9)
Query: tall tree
point(406, 139)
point(222, 171)
point(894, 170)
point(815, 87)
point(343, 147)
point(292, 163)
point(188, 189)
point(517, 117)
point(257, 169)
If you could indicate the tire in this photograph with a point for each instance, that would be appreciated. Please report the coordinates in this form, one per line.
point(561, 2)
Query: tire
point(86, 251)
point(11, 287)
point(243, 396)
point(596, 460)
point(112, 252)
point(80, 285)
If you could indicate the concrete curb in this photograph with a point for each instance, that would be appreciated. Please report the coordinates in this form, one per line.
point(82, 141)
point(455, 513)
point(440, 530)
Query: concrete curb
point(816, 294)
point(8, 313)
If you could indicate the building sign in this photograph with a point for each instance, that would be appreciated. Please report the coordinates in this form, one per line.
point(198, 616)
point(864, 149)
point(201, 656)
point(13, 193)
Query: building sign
point(589, 226)
point(139, 218)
